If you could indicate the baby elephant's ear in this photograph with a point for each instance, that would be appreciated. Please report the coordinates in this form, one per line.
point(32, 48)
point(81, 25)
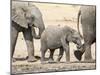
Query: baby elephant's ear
point(18, 16)
point(69, 37)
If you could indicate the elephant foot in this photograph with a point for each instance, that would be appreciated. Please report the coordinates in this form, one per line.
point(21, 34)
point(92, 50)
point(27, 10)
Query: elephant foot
point(31, 59)
point(51, 61)
point(78, 55)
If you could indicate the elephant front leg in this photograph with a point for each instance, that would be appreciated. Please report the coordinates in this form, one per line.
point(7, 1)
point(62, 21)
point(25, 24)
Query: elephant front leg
point(14, 35)
point(30, 46)
point(88, 56)
point(43, 51)
point(67, 53)
point(65, 45)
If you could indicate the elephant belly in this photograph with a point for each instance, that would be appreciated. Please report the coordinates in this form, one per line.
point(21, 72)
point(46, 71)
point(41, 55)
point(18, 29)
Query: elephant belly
point(53, 37)
point(53, 42)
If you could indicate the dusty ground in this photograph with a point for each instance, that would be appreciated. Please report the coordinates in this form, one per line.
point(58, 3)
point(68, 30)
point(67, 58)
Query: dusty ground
point(53, 14)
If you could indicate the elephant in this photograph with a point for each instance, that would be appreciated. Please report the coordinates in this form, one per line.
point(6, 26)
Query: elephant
point(88, 21)
point(54, 37)
point(24, 19)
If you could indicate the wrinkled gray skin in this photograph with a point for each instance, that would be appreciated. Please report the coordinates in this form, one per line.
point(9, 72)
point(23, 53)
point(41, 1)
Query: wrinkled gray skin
point(88, 21)
point(24, 19)
point(55, 37)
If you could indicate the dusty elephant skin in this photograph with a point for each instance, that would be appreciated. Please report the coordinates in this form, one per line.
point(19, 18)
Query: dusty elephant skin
point(24, 19)
point(55, 37)
point(88, 21)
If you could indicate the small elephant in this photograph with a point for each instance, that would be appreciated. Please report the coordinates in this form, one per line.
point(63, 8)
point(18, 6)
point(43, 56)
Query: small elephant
point(24, 19)
point(55, 37)
point(88, 21)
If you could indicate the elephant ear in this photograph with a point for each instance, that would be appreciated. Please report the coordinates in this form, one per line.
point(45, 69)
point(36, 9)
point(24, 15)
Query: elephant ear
point(70, 34)
point(18, 16)
point(69, 38)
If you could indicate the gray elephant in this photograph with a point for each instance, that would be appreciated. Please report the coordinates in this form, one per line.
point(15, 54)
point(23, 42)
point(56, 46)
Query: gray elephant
point(88, 21)
point(55, 37)
point(24, 19)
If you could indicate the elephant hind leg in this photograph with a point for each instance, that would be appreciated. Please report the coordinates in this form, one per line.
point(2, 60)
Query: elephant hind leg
point(88, 54)
point(60, 54)
point(51, 60)
point(30, 46)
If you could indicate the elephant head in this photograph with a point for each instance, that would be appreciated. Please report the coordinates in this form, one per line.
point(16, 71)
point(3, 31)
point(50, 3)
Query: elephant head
point(28, 16)
point(75, 38)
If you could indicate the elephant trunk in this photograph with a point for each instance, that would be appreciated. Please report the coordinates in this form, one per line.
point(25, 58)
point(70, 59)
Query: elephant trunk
point(79, 44)
point(41, 30)
point(37, 36)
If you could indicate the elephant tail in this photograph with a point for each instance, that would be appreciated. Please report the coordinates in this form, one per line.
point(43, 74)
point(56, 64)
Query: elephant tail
point(79, 14)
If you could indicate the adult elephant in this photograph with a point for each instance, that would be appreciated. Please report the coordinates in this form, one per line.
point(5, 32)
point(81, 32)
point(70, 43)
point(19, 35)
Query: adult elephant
point(88, 21)
point(55, 37)
point(24, 18)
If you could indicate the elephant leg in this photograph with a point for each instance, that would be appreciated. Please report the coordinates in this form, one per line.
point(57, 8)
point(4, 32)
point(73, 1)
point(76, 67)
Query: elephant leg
point(30, 46)
point(88, 56)
point(86, 48)
point(51, 55)
point(60, 54)
point(14, 35)
point(67, 53)
point(43, 51)
point(65, 45)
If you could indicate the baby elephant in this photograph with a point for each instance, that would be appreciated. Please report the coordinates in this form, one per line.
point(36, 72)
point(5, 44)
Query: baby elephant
point(55, 37)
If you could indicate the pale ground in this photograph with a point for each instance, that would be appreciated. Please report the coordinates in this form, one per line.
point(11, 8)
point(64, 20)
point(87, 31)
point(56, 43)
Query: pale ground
point(53, 14)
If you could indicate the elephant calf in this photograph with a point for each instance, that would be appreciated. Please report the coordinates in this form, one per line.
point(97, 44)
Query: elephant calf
point(55, 37)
